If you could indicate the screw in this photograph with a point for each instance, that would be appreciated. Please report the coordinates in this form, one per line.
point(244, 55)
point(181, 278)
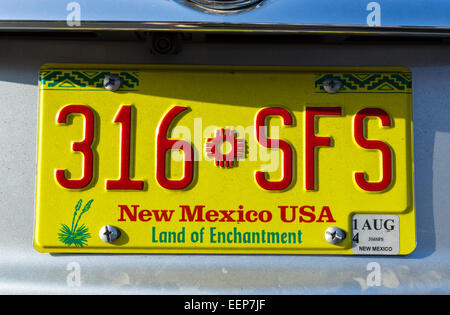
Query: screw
point(109, 233)
point(332, 85)
point(334, 235)
point(112, 82)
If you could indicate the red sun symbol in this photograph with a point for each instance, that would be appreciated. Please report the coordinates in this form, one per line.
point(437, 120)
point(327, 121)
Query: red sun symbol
point(235, 148)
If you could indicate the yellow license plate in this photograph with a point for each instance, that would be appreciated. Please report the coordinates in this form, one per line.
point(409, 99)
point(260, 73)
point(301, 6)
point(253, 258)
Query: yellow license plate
point(252, 160)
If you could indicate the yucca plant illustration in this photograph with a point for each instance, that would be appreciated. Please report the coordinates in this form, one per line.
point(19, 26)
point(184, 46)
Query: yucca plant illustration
point(76, 235)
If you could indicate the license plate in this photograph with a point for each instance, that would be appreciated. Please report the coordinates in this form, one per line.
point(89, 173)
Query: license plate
point(230, 160)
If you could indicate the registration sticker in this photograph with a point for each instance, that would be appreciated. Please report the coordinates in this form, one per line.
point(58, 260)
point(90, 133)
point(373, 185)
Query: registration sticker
point(376, 234)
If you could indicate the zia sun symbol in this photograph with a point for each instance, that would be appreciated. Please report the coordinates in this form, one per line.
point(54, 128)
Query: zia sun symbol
point(225, 140)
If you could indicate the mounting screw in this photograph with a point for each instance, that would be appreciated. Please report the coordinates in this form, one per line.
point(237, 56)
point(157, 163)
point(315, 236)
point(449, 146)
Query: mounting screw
point(334, 235)
point(109, 233)
point(112, 82)
point(332, 85)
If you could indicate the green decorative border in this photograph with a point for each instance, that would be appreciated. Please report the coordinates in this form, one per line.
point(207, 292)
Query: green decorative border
point(87, 80)
point(399, 82)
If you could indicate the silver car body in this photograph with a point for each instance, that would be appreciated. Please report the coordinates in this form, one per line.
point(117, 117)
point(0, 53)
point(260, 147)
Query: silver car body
point(406, 33)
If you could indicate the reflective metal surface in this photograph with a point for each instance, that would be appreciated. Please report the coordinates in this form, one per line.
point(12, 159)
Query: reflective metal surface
point(272, 15)
point(224, 4)
point(24, 270)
